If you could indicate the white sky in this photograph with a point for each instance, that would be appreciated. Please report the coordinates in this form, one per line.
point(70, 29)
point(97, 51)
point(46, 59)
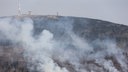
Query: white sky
point(110, 10)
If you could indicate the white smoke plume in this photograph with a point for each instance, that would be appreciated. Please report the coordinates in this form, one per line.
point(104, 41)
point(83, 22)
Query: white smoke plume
point(46, 54)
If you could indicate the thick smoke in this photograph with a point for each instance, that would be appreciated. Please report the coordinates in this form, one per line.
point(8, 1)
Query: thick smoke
point(71, 53)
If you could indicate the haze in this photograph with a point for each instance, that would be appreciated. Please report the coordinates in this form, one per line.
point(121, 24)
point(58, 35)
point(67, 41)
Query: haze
point(109, 10)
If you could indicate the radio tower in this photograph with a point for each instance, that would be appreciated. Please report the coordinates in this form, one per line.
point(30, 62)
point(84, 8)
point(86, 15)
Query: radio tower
point(19, 8)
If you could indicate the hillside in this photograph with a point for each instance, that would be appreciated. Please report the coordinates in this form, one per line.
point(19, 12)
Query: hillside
point(62, 44)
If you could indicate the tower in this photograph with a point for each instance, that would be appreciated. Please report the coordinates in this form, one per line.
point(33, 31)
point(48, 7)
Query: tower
point(29, 12)
point(19, 8)
point(57, 14)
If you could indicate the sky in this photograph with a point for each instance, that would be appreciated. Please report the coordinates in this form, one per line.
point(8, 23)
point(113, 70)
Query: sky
point(109, 10)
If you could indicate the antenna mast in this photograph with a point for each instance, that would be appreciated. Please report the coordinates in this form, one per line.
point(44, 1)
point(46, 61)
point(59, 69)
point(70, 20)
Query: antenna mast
point(19, 8)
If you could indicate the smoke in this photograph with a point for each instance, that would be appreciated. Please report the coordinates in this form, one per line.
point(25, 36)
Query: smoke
point(68, 53)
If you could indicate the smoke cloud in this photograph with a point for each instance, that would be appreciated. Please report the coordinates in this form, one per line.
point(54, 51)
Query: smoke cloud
point(68, 53)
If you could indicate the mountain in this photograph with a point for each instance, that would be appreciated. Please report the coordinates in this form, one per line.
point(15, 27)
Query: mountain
point(62, 44)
